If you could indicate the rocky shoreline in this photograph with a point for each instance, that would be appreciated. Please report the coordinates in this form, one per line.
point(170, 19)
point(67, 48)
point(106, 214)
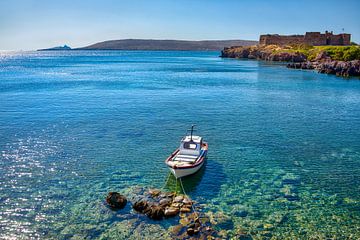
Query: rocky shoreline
point(297, 60)
point(339, 68)
point(158, 205)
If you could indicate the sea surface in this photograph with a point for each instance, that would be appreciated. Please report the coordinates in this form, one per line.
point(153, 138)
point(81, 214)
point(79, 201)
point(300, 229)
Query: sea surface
point(284, 144)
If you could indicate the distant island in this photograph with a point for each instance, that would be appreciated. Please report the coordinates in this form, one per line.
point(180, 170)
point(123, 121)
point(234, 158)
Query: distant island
point(58, 48)
point(161, 45)
point(167, 45)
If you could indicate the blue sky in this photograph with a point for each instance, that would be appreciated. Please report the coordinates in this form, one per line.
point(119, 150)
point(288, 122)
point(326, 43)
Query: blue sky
point(33, 24)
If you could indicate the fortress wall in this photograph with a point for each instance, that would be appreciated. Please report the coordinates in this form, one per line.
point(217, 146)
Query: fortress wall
point(315, 38)
point(280, 40)
point(310, 38)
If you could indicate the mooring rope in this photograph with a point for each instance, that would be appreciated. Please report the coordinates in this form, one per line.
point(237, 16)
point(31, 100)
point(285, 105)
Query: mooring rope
point(166, 182)
point(192, 203)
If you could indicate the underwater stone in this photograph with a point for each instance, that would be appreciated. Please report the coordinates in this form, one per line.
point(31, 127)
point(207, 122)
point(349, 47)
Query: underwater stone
point(116, 200)
point(163, 195)
point(170, 212)
point(176, 230)
point(187, 201)
point(290, 179)
point(291, 197)
point(190, 231)
point(178, 199)
point(268, 226)
point(240, 213)
point(140, 205)
point(223, 221)
point(185, 210)
point(176, 205)
point(154, 192)
point(155, 212)
point(165, 202)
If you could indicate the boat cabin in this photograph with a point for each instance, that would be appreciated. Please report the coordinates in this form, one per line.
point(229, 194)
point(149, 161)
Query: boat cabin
point(190, 145)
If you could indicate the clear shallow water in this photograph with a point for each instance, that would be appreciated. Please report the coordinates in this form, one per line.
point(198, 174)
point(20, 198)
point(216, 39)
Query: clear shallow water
point(284, 145)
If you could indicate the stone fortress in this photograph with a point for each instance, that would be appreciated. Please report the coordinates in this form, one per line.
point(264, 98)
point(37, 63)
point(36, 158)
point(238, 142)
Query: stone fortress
point(310, 38)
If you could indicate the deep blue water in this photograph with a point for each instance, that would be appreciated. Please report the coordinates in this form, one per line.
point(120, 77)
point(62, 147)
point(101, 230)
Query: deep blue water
point(284, 144)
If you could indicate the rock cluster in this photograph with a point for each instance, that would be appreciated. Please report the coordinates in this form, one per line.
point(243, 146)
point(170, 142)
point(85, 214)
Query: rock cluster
point(116, 200)
point(158, 205)
point(339, 68)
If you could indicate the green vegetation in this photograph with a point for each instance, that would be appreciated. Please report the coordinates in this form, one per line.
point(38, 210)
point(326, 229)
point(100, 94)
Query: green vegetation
point(340, 53)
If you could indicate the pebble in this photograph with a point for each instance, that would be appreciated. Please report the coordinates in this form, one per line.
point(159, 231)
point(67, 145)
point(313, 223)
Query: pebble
point(170, 212)
point(178, 199)
point(185, 210)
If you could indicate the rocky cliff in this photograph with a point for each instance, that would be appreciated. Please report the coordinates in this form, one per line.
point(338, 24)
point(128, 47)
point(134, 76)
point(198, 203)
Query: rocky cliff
point(267, 53)
point(336, 60)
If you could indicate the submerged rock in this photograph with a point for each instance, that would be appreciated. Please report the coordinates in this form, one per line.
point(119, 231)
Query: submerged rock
point(165, 202)
point(240, 213)
point(116, 200)
point(141, 205)
point(154, 192)
point(171, 212)
point(291, 197)
point(155, 212)
point(221, 220)
point(190, 231)
point(185, 210)
point(178, 199)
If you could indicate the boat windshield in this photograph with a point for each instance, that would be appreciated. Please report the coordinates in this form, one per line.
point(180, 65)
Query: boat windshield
point(189, 145)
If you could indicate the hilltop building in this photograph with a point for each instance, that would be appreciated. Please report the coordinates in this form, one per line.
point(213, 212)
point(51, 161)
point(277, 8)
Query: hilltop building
point(310, 38)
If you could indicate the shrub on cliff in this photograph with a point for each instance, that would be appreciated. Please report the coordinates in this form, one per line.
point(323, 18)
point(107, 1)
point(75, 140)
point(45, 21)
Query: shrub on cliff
point(352, 54)
point(342, 53)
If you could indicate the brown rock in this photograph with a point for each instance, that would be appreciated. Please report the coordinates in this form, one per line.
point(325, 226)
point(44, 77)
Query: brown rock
point(170, 212)
point(185, 221)
point(165, 202)
point(185, 210)
point(178, 199)
point(170, 194)
point(186, 206)
point(116, 200)
point(155, 212)
point(176, 205)
point(190, 231)
point(176, 230)
point(154, 192)
point(141, 206)
point(187, 201)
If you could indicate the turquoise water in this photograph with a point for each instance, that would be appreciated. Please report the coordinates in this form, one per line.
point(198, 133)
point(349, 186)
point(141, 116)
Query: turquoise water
point(284, 145)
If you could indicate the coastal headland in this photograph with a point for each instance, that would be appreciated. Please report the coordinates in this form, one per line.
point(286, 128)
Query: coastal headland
point(326, 53)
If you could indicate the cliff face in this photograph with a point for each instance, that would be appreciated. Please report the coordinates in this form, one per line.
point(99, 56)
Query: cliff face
point(343, 61)
point(267, 53)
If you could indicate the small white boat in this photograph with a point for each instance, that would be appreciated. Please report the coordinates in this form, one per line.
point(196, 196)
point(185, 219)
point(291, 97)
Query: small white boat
point(189, 157)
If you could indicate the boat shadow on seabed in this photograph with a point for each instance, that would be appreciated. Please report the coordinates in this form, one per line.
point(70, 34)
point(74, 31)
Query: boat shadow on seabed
point(204, 183)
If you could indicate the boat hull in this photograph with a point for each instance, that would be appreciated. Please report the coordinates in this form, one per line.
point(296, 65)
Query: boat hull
point(182, 172)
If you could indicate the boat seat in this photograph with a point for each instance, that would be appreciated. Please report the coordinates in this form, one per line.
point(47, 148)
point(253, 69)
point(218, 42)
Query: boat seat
point(186, 158)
